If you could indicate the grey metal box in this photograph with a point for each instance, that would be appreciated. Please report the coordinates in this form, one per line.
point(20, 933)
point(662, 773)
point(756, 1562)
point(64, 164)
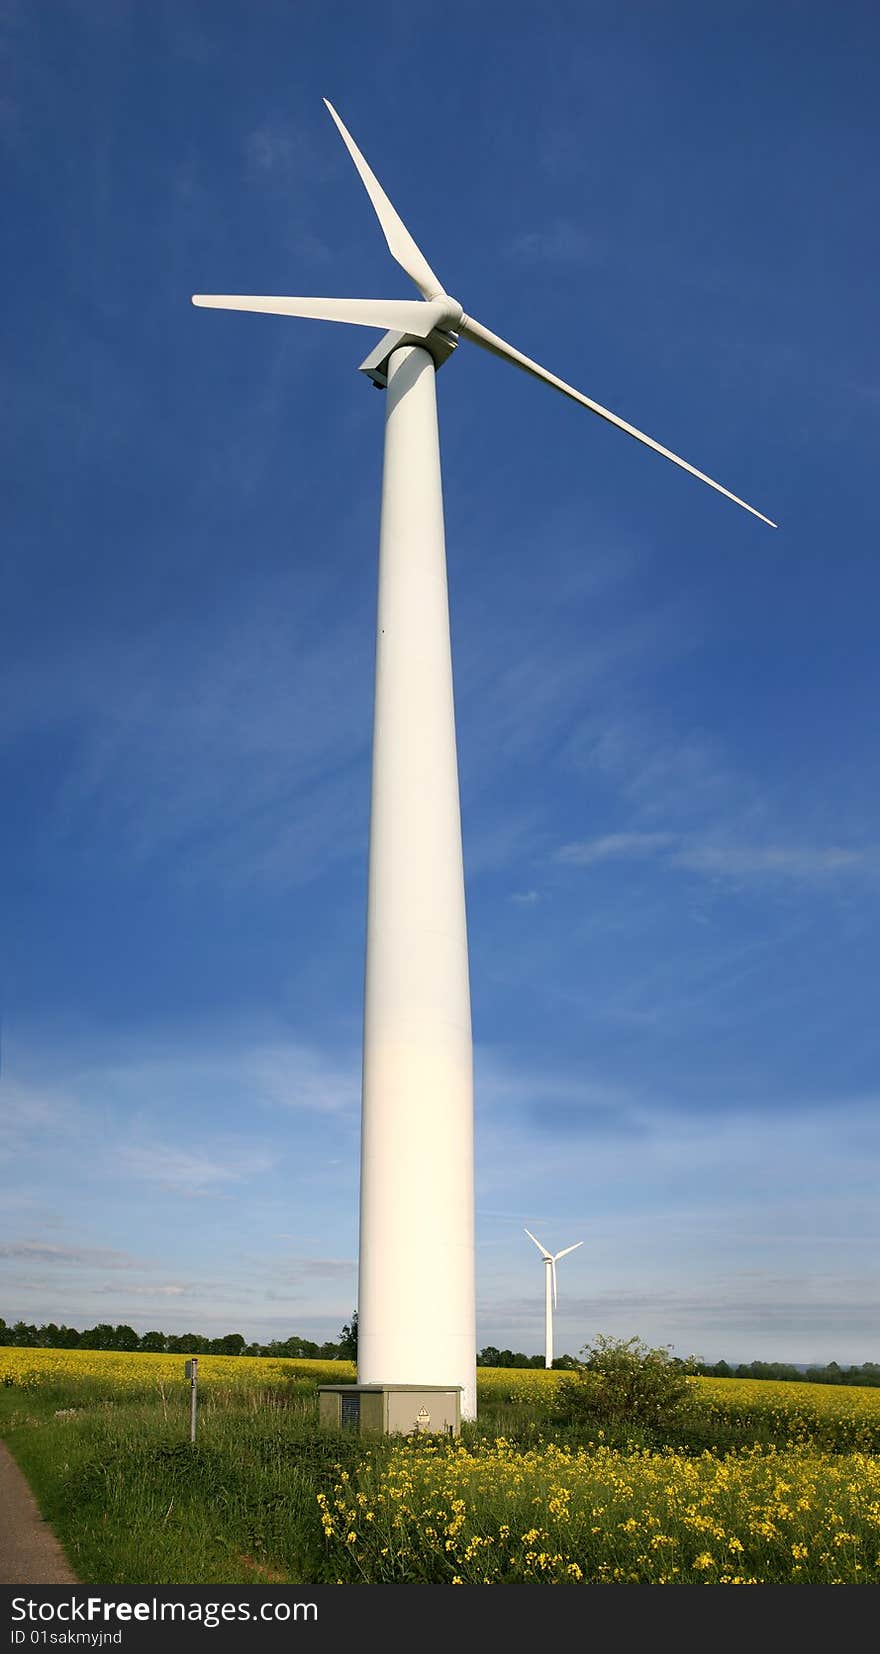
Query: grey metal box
point(391, 1409)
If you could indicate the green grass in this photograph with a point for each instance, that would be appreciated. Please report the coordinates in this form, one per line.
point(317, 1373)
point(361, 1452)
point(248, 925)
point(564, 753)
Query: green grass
point(133, 1501)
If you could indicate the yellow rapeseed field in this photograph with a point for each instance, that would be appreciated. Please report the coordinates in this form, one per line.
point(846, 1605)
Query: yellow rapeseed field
point(554, 1515)
point(787, 1402)
point(822, 1400)
point(140, 1369)
point(526, 1385)
point(790, 1405)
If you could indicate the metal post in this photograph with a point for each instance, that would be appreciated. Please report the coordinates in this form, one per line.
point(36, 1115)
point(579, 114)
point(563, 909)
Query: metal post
point(192, 1373)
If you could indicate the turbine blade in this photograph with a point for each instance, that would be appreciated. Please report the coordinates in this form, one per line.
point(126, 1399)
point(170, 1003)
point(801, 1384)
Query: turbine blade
point(400, 243)
point(555, 1293)
point(490, 341)
point(566, 1249)
point(403, 315)
point(542, 1249)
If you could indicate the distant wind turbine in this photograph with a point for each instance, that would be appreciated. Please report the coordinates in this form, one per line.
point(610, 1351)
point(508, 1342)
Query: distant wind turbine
point(416, 1300)
point(551, 1259)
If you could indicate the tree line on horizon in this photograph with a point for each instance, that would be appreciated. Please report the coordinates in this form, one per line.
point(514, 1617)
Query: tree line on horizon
point(831, 1373)
point(50, 1336)
point(123, 1338)
point(780, 1371)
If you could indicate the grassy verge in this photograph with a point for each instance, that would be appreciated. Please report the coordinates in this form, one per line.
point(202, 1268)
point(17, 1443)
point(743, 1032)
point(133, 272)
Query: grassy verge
point(132, 1501)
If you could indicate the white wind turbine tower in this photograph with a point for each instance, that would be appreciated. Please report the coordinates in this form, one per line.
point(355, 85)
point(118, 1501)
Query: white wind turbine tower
point(551, 1259)
point(416, 1315)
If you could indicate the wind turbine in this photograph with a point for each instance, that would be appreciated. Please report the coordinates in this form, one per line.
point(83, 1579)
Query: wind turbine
point(416, 1314)
point(551, 1259)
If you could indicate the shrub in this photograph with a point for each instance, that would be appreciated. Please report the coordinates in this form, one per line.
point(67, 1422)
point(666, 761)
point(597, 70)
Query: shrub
point(623, 1381)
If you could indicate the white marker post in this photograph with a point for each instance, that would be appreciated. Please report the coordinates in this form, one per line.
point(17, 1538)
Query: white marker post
point(192, 1373)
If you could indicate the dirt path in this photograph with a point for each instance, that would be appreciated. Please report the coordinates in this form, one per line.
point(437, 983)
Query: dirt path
point(29, 1552)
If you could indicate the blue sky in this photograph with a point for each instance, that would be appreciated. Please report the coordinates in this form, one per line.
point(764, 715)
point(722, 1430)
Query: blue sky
point(667, 712)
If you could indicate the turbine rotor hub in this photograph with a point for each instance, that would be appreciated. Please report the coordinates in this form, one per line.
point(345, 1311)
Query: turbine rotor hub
point(451, 318)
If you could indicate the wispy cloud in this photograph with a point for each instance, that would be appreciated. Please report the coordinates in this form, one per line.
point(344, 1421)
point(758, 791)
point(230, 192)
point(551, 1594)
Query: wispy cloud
point(302, 1077)
point(279, 147)
point(33, 1113)
point(68, 1256)
point(240, 751)
point(612, 846)
point(550, 1096)
point(193, 1174)
point(788, 861)
point(563, 241)
point(524, 678)
point(129, 1101)
point(725, 861)
point(662, 770)
point(145, 1290)
point(305, 1269)
point(286, 161)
